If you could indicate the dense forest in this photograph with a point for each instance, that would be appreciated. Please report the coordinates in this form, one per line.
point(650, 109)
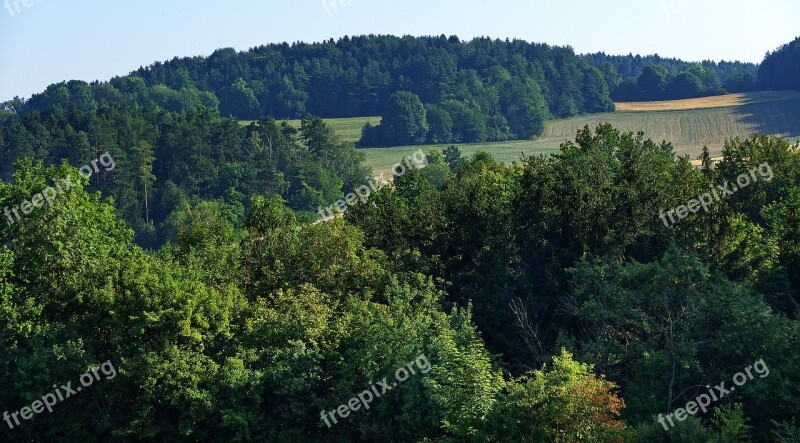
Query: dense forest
point(168, 159)
point(539, 301)
point(172, 254)
point(781, 68)
point(471, 91)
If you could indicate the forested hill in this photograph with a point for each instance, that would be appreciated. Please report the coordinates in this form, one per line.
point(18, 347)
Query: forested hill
point(355, 76)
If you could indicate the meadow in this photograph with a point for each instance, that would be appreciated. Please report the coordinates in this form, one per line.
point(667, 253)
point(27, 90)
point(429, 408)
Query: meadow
point(689, 124)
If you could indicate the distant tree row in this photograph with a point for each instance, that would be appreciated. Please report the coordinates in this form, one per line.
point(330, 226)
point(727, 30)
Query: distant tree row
point(618, 68)
point(634, 78)
point(656, 83)
point(508, 110)
point(481, 90)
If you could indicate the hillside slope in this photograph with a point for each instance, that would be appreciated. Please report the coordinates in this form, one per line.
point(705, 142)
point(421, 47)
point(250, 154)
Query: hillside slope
point(688, 124)
point(691, 129)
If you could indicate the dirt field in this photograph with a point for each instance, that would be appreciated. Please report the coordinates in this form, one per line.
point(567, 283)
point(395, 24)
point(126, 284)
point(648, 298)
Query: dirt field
point(719, 101)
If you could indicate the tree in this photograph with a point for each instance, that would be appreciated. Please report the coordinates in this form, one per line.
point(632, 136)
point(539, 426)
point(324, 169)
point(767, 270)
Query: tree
point(332, 153)
point(784, 217)
point(142, 157)
point(452, 156)
point(627, 91)
point(436, 170)
point(469, 123)
point(596, 92)
point(685, 85)
point(562, 403)
point(405, 121)
point(653, 82)
point(740, 82)
point(707, 77)
point(440, 123)
point(524, 106)
point(239, 100)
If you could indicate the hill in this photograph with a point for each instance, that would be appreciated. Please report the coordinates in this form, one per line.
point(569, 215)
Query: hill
point(688, 124)
point(474, 91)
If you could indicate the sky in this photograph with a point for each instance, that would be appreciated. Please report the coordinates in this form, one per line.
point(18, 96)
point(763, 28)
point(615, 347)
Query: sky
point(48, 41)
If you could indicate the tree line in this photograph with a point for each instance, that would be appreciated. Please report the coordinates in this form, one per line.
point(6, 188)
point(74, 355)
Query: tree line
point(636, 78)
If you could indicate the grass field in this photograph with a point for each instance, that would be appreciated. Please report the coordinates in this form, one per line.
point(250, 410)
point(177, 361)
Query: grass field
point(690, 130)
point(382, 159)
point(349, 129)
point(688, 124)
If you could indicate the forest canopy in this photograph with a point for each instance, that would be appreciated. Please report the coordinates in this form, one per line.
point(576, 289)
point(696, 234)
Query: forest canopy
point(526, 305)
point(472, 91)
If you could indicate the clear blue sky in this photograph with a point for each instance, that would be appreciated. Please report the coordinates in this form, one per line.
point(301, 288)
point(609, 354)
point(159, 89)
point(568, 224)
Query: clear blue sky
point(55, 40)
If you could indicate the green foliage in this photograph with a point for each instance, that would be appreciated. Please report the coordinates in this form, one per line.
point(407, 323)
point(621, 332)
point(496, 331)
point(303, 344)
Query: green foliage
point(656, 82)
point(469, 123)
point(689, 430)
point(165, 159)
point(285, 80)
point(525, 107)
point(250, 323)
point(440, 123)
point(404, 121)
point(784, 217)
point(565, 403)
point(653, 82)
point(786, 433)
point(570, 250)
point(465, 396)
point(436, 170)
point(780, 69)
point(239, 100)
point(212, 338)
point(727, 426)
